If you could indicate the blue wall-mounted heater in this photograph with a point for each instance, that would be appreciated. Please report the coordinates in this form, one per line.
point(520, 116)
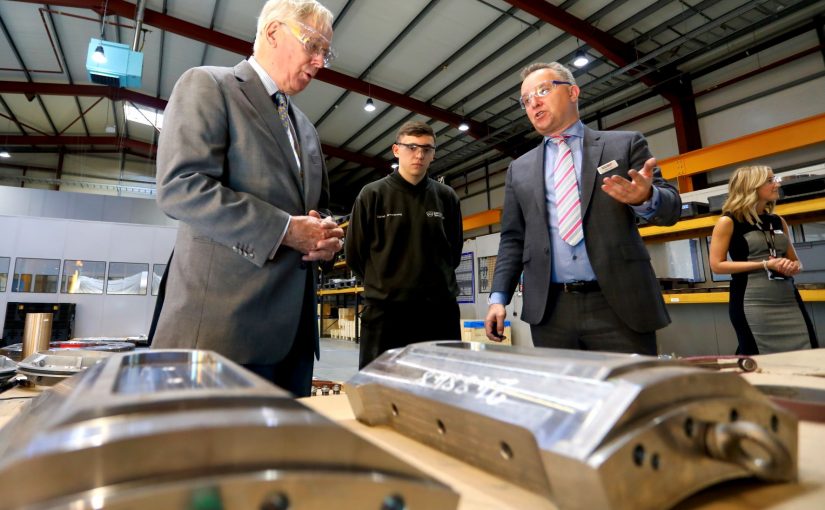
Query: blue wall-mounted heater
point(121, 66)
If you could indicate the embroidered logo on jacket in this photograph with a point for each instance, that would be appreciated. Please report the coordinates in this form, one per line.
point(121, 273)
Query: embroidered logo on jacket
point(435, 214)
point(388, 215)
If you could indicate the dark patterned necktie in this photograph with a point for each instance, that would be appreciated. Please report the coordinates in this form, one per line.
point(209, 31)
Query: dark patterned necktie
point(283, 114)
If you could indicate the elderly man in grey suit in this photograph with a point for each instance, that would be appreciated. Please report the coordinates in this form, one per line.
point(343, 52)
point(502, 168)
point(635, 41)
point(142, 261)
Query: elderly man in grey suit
point(569, 223)
point(241, 168)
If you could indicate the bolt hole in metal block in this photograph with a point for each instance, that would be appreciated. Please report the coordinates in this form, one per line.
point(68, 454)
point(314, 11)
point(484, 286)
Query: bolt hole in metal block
point(441, 428)
point(592, 430)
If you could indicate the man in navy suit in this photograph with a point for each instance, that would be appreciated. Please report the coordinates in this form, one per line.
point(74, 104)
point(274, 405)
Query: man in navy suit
point(569, 222)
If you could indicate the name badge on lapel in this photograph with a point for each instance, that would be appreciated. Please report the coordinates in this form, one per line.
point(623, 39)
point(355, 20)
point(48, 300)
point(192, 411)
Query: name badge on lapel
point(607, 167)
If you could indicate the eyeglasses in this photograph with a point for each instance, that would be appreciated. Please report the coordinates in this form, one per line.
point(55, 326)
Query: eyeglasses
point(774, 179)
point(542, 90)
point(413, 147)
point(313, 41)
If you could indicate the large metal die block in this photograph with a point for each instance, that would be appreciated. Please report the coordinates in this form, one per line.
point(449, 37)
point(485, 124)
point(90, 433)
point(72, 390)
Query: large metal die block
point(586, 430)
point(190, 429)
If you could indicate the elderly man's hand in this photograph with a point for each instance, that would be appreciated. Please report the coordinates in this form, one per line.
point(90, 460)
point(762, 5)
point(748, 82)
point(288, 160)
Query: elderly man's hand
point(634, 191)
point(317, 238)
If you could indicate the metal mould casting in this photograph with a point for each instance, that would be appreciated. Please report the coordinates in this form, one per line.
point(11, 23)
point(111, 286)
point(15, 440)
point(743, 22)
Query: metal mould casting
point(584, 429)
point(171, 429)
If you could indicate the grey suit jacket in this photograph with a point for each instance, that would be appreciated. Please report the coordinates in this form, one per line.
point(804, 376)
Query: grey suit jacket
point(615, 248)
point(227, 171)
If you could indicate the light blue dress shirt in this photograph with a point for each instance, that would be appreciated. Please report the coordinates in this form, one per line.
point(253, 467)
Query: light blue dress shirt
point(570, 263)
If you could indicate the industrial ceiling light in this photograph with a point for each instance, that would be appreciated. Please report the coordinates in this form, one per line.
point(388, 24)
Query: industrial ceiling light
point(4, 153)
point(99, 56)
point(463, 126)
point(394, 166)
point(581, 59)
point(369, 105)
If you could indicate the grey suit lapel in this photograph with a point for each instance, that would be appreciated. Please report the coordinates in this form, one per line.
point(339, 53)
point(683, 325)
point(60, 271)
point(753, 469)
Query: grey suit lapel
point(255, 93)
point(305, 131)
point(592, 148)
point(536, 178)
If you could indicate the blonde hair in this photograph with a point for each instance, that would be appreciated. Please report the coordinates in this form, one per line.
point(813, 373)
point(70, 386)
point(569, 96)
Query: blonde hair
point(290, 10)
point(743, 195)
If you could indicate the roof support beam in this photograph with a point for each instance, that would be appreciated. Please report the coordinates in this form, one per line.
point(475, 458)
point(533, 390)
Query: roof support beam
point(687, 128)
point(241, 47)
point(62, 89)
point(117, 94)
point(65, 140)
point(355, 157)
point(617, 51)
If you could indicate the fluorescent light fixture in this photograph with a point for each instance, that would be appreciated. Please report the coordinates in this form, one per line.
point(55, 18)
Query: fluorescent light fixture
point(145, 116)
point(369, 105)
point(4, 154)
point(581, 59)
point(463, 126)
point(98, 55)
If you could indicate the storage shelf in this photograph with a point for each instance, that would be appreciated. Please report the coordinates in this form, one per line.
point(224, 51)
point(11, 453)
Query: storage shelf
point(347, 290)
point(695, 227)
point(809, 295)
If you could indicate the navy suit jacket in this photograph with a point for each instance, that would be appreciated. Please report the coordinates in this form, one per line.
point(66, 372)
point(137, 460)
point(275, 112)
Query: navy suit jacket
point(615, 248)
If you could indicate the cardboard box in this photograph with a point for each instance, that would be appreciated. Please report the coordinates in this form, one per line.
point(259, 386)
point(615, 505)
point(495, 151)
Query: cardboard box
point(346, 329)
point(473, 331)
point(346, 314)
point(327, 325)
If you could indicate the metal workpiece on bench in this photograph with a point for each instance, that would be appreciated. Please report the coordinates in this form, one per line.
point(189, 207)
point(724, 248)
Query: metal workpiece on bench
point(171, 429)
point(15, 351)
point(584, 429)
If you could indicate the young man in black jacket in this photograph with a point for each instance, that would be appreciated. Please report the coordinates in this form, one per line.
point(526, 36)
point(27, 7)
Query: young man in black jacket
point(404, 240)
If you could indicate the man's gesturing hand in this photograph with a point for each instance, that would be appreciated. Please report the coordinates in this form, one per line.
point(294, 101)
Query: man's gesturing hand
point(636, 190)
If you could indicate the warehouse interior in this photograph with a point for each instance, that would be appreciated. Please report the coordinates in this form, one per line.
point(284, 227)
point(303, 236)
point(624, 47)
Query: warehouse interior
point(712, 86)
point(705, 80)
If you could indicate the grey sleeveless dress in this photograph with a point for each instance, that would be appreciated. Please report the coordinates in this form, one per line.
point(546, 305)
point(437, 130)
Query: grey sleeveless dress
point(772, 308)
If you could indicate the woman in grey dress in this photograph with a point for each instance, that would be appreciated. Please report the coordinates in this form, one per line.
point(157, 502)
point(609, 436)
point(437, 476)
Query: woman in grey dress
point(765, 308)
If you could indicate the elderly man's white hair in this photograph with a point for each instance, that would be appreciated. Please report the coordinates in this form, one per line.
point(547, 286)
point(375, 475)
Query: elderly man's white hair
point(290, 10)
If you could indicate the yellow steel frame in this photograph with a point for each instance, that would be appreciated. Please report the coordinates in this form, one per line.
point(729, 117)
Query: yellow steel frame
point(482, 219)
point(723, 297)
point(697, 225)
point(348, 290)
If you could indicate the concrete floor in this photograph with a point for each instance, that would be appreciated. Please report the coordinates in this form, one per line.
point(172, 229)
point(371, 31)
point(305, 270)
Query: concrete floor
point(339, 360)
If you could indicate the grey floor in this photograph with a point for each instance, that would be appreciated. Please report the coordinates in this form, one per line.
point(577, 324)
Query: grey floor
point(339, 360)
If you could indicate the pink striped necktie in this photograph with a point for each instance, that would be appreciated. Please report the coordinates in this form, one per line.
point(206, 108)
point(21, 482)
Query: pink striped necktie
point(568, 201)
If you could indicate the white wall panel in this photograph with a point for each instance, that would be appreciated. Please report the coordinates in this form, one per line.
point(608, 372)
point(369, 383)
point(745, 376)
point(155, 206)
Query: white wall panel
point(40, 238)
point(87, 240)
point(786, 105)
point(663, 144)
point(98, 314)
point(131, 243)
